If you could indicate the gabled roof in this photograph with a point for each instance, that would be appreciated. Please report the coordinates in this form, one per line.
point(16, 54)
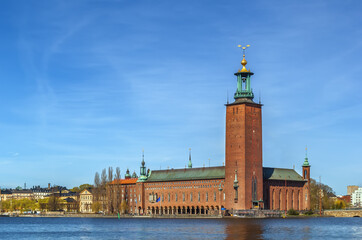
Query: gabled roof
point(124, 181)
point(281, 174)
point(68, 194)
point(87, 189)
point(186, 174)
point(69, 200)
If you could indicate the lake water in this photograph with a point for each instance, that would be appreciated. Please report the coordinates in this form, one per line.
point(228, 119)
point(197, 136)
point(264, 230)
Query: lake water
point(103, 228)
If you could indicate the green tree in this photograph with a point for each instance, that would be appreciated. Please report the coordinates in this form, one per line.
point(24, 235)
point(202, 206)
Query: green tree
point(81, 187)
point(96, 206)
point(53, 203)
point(75, 189)
point(85, 186)
point(339, 204)
point(320, 190)
point(43, 204)
point(6, 206)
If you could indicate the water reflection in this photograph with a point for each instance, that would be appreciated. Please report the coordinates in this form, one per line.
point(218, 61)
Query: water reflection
point(243, 229)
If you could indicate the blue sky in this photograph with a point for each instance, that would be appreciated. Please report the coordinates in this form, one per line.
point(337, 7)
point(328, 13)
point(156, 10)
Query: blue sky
point(89, 84)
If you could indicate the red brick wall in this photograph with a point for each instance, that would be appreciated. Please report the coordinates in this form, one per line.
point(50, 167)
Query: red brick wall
point(243, 152)
point(284, 195)
point(195, 187)
point(306, 189)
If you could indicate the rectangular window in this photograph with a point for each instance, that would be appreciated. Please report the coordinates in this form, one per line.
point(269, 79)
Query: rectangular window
point(176, 197)
point(191, 197)
point(207, 197)
point(198, 197)
point(162, 197)
point(183, 197)
point(169, 197)
point(224, 196)
point(215, 196)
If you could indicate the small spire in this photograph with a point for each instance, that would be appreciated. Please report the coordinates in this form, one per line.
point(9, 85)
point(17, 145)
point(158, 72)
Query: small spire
point(306, 163)
point(259, 97)
point(143, 157)
point(244, 62)
point(190, 163)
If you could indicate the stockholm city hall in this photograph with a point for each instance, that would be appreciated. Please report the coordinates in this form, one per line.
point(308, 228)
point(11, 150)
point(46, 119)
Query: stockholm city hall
point(242, 184)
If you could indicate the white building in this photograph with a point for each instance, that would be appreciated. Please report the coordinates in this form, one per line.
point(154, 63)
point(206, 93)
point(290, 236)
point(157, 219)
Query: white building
point(357, 197)
point(86, 201)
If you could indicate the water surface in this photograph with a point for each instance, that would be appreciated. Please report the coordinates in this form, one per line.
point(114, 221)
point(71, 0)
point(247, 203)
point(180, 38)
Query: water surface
point(103, 228)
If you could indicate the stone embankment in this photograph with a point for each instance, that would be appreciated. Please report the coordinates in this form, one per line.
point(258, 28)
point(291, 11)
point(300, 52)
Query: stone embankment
point(343, 213)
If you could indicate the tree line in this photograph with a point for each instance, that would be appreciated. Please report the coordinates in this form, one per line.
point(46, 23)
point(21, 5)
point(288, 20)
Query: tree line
point(106, 197)
point(53, 203)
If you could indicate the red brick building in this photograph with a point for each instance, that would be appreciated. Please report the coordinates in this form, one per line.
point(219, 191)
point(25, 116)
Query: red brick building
point(243, 183)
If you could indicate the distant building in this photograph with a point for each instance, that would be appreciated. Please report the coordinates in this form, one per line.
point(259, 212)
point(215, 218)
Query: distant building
point(351, 189)
point(40, 193)
point(86, 201)
point(346, 198)
point(5, 195)
point(357, 198)
point(22, 194)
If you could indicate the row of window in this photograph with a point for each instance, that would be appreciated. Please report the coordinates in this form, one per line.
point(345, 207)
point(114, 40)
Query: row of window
point(153, 197)
point(188, 182)
point(185, 187)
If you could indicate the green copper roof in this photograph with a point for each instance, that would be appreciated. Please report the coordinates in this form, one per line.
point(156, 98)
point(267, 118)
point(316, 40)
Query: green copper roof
point(217, 173)
point(281, 174)
point(187, 174)
point(306, 163)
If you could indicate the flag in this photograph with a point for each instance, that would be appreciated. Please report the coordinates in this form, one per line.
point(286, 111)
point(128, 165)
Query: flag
point(158, 199)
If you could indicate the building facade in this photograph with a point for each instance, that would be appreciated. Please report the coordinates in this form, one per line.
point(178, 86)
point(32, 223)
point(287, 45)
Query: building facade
point(86, 201)
point(357, 198)
point(351, 189)
point(242, 184)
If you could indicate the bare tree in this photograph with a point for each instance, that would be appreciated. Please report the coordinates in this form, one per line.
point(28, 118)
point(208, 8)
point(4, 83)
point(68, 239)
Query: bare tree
point(118, 173)
point(97, 180)
point(117, 191)
point(110, 174)
point(97, 187)
point(110, 191)
point(104, 177)
point(103, 189)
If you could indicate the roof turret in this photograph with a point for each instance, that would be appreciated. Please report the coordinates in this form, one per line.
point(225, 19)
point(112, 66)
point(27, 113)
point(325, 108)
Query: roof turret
point(127, 174)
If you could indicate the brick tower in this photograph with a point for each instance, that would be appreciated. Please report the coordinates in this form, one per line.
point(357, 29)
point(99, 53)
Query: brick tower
point(306, 176)
point(243, 150)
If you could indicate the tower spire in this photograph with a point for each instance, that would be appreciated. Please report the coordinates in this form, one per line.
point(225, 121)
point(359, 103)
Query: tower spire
point(190, 163)
point(143, 158)
point(244, 62)
point(243, 77)
point(143, 175)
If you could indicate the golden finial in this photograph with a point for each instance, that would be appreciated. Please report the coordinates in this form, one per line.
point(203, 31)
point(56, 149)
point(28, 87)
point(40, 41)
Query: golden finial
point(244, 62)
